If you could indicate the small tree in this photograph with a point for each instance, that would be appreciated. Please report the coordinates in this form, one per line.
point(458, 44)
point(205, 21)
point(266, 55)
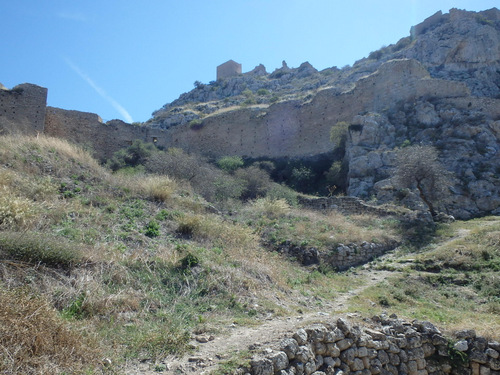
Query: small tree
point(419, 167)
point(338, 134)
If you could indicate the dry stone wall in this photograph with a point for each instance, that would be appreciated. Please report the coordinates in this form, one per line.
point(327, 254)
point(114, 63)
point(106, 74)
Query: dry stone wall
point(383, 346)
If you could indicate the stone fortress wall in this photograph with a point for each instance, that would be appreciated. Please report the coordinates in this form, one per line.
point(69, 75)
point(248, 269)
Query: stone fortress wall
point(290, 129)
point(386, 345)
point(297, 129)
point(22, 109)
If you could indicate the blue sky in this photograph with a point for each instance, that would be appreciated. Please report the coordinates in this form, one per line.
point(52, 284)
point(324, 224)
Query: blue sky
point(126, 58)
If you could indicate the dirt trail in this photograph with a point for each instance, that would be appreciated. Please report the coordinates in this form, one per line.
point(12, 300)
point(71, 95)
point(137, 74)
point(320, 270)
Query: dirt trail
point(206, 357)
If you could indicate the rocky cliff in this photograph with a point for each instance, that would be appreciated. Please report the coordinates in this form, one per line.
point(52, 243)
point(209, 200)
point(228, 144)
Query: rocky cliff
point(438, 86)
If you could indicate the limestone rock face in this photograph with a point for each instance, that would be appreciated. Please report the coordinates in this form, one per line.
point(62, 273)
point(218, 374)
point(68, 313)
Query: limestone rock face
point(461, 46)
point(468, 144)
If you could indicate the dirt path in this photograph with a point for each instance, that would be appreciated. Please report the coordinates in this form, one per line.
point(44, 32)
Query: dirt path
point(207, 356)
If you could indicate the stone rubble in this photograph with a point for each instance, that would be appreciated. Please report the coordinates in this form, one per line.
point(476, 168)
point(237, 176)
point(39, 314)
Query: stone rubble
point(389, 346)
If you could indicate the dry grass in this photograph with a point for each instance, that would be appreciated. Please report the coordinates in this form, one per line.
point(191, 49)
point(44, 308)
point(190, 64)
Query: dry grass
point(272, 208)
point(154, 187)
point(46, 155)
point(14, 210)
point(35, 340)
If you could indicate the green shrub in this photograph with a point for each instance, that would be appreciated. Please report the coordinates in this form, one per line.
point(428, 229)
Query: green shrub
point(38, 248)
point(277, 192)
point(152, 229)
point(263, 92)
point(272, 208)
point(195, 124)
point(338, 134)
point(189, 261)
point(256, 182)
point(337, 175)
point(230, 163)
point(136, 154)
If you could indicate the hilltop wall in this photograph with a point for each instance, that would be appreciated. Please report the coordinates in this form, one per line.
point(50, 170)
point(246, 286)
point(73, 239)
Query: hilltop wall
point(22, 109)
point(294, 129)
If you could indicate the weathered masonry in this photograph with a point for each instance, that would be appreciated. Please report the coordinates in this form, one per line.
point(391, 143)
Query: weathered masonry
point(228, 69)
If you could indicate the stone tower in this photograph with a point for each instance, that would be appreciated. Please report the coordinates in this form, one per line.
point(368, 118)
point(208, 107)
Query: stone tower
point(228, 69)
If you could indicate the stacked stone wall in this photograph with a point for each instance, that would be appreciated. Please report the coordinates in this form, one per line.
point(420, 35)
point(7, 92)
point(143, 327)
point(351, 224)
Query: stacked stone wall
point(383, 346)
point(22, 109)
point(346, 205)
point(103, 139)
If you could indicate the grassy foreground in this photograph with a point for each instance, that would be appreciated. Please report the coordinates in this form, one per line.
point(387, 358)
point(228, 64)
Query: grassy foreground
point(98, 269)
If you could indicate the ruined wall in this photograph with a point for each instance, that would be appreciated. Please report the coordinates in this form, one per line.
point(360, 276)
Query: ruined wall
point(387, 346)
point(294, 129)
point(22, 109)
point(87, 129)
point(346, 205)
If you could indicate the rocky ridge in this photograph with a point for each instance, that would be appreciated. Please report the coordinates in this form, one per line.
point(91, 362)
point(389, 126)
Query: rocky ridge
point(459, 45)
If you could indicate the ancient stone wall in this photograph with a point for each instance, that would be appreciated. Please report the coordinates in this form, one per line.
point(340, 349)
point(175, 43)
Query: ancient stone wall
point(294, 129)
point(103, 139)
point(346, 205)
point(22, 109)
point(384, 346)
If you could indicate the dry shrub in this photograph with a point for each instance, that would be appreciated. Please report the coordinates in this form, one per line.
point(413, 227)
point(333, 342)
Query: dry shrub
point(37, 248)
point(6, 177)
point(154, 187)
point(35, 340)
point(272, 208)
point(14, 210)
point(158, 188)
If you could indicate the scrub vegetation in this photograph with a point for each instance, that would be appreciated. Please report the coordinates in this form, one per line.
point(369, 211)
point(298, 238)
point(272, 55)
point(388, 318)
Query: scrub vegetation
point(99, 268)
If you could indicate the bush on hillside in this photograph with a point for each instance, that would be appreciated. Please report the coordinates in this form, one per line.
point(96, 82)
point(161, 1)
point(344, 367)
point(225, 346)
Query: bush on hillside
point(136, 154)
point(230, 163)
point(256, 182)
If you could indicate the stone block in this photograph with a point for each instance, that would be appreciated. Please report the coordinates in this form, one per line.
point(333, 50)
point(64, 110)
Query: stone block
point(290, 347)
point(279, 360)
point(344, 344)
point(262, 366)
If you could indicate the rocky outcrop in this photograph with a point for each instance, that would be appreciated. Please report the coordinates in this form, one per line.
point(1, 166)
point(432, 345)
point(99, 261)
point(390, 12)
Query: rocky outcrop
point(384, 346)
point(467, 138)
point(461, 46)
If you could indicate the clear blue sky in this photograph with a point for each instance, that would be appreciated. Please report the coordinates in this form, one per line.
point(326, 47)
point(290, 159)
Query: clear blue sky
point(126, 58)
